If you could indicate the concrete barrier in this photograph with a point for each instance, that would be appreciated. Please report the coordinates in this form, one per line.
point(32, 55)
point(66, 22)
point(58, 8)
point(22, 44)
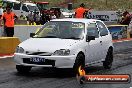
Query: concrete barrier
point(8, 44)
point(23, 31)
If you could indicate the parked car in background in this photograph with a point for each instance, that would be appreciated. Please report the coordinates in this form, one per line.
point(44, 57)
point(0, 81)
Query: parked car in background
point(42, 5)
point(67, 13)
point(9, 2)
point(21, 9)
point(66, 43)
point(45, 9)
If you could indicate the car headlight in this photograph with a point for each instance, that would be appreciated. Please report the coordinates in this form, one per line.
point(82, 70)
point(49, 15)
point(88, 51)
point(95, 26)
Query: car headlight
point(19, 50)
point(62, 52)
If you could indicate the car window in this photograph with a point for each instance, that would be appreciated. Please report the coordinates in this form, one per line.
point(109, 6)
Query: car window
point(16, 6)
point(32, 8)
point(62, 29)
point(92, 30)
point(103, 30)
point(24, 8)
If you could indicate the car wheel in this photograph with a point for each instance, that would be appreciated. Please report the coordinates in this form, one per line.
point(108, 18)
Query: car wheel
point(23, 69)
point(108, 60)
point(80, 61)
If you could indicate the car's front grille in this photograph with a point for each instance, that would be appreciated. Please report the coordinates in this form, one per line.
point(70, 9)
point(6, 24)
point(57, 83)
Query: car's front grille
point(47, 62)
point(39, 53)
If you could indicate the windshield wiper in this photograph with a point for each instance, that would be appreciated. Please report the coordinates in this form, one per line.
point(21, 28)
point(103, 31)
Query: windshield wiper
point(72, 38)
point(46, 37)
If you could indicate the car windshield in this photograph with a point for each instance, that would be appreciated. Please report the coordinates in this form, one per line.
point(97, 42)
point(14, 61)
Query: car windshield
point(63, 30)
point(66, 10)
point(32, 8)
point(42, 6)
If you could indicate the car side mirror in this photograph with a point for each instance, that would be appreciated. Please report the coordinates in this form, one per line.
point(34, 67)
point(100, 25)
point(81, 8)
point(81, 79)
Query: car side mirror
point(89, 38)
point(32, 34)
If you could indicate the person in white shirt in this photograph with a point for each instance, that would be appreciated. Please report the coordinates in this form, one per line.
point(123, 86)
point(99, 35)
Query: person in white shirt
point(30, 18)
point(1, 10)
point(1, 13)
point(130, 28)
point(53, 16)
point(37, 18)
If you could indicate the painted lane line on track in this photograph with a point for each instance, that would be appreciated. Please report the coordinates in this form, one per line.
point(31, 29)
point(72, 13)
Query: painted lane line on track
point(122, 40)
point(9, 56)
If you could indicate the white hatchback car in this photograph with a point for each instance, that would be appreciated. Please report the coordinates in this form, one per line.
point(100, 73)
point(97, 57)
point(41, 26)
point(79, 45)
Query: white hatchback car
point(66, 43)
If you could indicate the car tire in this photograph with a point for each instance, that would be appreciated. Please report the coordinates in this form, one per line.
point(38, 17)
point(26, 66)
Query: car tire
point(80, 61)
point(108, 60)
point(23, 69)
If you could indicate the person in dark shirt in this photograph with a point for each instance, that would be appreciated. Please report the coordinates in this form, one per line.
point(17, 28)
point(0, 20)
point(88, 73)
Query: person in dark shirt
point(126, 18)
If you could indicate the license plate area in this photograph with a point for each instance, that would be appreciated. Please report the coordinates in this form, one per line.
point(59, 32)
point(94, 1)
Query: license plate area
point(40, 61)
point(37, 60)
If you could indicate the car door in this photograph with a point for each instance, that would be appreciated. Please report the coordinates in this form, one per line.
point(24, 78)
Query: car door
point(104, 37)
point(94, 46)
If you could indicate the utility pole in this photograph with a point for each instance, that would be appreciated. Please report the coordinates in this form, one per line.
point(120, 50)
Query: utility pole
point(106, 2)
point(130, 4)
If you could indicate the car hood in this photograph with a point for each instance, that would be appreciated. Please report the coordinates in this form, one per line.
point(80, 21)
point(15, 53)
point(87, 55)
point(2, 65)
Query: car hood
point(47, 44)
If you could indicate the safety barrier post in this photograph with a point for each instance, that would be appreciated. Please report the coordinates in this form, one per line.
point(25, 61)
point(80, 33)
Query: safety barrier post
point(8, 44)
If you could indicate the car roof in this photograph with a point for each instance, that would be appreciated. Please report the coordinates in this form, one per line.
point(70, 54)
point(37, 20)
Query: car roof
point(42, 2)
point(31, 4)
point(12, 1)
point(83, 20)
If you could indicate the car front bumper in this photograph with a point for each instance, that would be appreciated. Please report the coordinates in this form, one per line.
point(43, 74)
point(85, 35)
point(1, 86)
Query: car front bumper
point(60, 61)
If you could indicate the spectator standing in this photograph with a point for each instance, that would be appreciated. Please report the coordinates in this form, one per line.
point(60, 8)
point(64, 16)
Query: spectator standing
point(126, 18)
point(1, 12)
point(43, 18)
point(80, 12)
point(47, 17)
point(57, 14)
point(130, 28)
point(37, 18)
point(9, 18)
point(30, 18)
point(53, 16)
